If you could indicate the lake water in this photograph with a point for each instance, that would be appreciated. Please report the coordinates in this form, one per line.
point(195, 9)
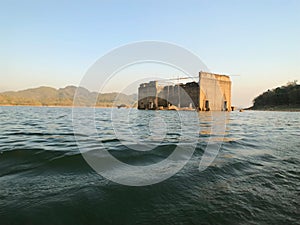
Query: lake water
point(254, 179)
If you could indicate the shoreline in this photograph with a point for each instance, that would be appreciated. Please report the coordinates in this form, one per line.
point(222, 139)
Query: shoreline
point(61, 106)
point(275, 110)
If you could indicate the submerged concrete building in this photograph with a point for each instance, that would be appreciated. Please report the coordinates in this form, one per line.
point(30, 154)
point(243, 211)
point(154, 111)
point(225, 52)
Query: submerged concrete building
point(211, 93)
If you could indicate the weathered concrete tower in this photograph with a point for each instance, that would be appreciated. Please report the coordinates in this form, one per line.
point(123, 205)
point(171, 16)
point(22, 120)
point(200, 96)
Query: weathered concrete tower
point(215, 92)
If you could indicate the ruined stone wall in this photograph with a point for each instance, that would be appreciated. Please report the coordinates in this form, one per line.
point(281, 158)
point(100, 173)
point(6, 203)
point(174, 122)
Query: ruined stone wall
point(162, 96)
point(213, 92)
point(180, 95)
point(167, 95)
point(147, 95)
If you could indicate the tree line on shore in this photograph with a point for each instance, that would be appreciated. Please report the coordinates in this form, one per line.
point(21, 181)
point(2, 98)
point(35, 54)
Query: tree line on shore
point(285, 96)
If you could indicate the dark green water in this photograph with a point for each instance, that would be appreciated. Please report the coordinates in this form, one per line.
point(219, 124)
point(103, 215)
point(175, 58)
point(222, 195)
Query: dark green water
point(255, 178)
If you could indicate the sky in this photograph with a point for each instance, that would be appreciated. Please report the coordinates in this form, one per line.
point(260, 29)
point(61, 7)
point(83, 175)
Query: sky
point(54, 43)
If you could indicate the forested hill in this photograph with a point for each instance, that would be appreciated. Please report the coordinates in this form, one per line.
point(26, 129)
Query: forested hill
point(285, 97)
point(47, 96)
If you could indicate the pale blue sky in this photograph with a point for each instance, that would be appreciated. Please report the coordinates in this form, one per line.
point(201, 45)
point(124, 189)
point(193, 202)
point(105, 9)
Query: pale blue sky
point(53, 43)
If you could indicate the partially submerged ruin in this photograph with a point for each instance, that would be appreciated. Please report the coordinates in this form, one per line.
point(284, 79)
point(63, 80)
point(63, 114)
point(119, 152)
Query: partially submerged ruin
point(211, 93)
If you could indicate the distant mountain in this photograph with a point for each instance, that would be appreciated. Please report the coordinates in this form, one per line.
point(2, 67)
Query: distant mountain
point(281, 98)
point(47, 96)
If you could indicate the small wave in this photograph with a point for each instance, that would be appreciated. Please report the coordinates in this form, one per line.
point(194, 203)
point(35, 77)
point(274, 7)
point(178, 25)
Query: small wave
point(23, 160)
point(292, 160)
point(133, 157)
point(110, 140)
point(43, 134)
